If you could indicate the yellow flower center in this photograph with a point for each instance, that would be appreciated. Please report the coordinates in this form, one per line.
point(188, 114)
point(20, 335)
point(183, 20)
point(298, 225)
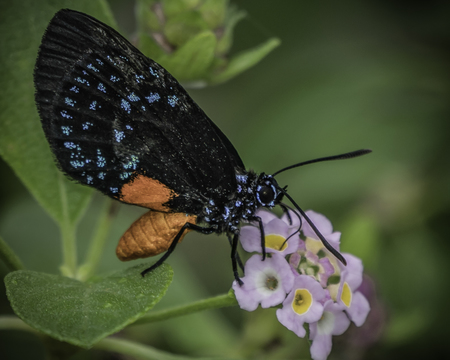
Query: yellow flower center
point(313, 245)
point(346, 295)
point(302, 301)
point(276, 242)
point(333, 289)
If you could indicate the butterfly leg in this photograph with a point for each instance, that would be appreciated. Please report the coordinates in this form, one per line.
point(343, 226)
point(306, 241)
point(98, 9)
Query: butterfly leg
point(286, 211)
point(238, 258)
point(263, 236)
point(175, 242)
point(234, 244)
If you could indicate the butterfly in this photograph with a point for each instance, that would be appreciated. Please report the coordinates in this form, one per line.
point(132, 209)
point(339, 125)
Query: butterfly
point(119, 122)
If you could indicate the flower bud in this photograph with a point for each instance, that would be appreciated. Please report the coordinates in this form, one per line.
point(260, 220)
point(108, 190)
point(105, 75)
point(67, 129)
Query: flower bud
point(192, 38)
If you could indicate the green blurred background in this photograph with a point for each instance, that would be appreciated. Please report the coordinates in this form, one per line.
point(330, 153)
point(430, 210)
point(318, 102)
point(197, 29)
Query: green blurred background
point(348, 75)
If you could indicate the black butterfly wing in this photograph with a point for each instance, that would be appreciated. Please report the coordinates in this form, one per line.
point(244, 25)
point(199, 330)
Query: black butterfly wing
point(119, 122)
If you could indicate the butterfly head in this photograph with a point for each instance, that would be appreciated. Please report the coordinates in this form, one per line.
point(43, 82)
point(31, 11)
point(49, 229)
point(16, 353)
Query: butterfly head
point(268, 192)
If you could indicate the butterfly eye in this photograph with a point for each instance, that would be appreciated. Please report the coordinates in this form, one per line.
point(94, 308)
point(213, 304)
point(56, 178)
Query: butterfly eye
point(266, 195)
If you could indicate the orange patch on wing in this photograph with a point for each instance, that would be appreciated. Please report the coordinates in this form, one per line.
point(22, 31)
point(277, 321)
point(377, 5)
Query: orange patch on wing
point(147, 192)
point(151, 234)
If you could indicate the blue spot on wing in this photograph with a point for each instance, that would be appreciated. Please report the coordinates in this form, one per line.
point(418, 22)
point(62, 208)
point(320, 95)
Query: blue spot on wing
point(119, 135)
point(132, 163)
point(64, 114)
point(101, 87)
point(172, 100)
point(133, 97)
point(139, 78)
point(69, 145)
point(77, 163)
point(69, 102)
point(125, 105)
point(82, 81)
point(101, 161)
point(153, 97)
point(86, 125)
point(125, 175)
point(153, 72)
point(66, 130)
point(93, 68)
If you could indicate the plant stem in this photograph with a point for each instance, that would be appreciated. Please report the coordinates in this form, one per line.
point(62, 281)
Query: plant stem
point(9, 257)
point(216, 302)
point(134, 349)
point(98, 241)
point(69, 245)
point(11, 322)
point(143, 352)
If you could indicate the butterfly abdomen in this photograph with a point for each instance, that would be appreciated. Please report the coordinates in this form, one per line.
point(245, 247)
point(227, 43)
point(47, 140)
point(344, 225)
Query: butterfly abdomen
point(151, 234)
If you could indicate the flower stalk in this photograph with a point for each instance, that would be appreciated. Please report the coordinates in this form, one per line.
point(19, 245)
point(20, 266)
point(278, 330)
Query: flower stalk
point(216, 302)
point(9, 257)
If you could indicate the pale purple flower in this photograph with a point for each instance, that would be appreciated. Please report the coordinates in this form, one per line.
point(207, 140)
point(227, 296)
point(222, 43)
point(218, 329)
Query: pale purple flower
point(359, 309)
point(294, 260)
point(320, 268)
point(277, 233)
point(327, 307)
point(302, 305)
point(265, 282)
point(265, 215)
point(333, 322)
point(355, 304)
point(292, 219)
point(354, 270)
point(313, 242)
point(326, 269)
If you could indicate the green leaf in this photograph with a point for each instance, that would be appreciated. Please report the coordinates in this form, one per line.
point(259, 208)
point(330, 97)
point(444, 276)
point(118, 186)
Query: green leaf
point(226, 40)
point(84, 313)
point(193, 59)
point(245, 60)
point(22, 141)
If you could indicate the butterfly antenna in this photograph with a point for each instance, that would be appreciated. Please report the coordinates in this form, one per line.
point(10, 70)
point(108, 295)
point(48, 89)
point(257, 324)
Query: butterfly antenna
point(349, 155)
point(325, 243)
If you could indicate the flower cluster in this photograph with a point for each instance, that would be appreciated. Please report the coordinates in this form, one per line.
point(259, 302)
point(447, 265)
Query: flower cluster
point(316, 291)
